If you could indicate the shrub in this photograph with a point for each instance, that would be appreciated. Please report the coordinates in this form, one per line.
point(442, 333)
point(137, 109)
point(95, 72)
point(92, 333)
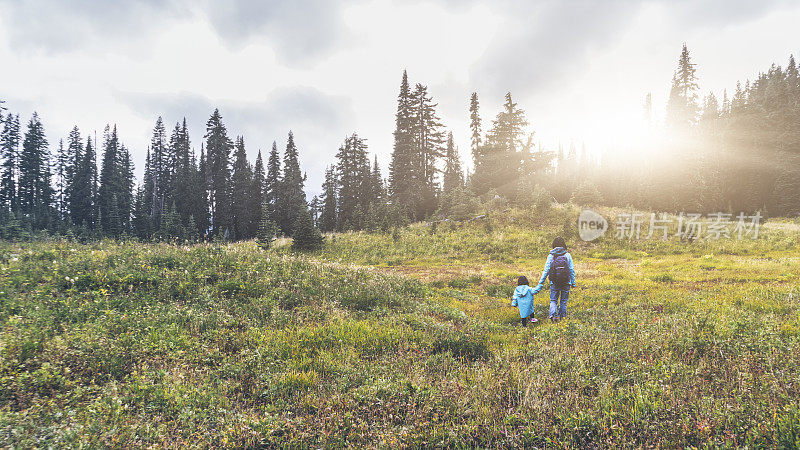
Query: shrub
point(586, 194)
point(306, 236)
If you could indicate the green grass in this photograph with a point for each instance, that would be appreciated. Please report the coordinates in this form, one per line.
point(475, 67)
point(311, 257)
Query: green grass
point(401, 340)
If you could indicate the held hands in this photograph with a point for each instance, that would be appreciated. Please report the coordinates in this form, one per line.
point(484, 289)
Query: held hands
point(537, 289)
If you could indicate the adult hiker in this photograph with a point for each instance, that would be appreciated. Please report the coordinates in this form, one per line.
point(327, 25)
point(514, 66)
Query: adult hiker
point(561, 272)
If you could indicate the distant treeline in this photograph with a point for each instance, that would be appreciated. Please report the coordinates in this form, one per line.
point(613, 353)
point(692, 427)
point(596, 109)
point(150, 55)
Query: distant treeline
point(740, 153)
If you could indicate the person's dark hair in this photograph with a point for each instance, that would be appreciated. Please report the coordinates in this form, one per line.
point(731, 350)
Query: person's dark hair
point(522, 281)
point(559, 242)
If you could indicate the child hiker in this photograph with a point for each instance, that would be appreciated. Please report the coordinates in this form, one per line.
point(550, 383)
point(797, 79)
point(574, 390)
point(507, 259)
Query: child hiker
point(561, 272)
point(523, 299)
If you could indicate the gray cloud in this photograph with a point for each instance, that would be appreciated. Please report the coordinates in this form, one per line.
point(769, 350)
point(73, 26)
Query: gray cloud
point(319, 121)
point(55, 26)
point(300, 31)
point(545, 43)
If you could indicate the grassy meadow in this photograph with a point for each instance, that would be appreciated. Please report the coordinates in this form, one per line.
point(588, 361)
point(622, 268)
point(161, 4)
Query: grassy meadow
point(402, 339)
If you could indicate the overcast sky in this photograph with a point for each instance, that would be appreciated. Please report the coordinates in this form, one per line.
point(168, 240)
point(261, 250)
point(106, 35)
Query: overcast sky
point(325, 68)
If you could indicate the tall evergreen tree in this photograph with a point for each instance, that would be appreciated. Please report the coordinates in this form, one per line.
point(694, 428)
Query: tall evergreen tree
point(682, 105)
point(75, 152)
point(218, 149)
point(503, 155)
point(9, 150)
point(83, 197)
point(241, 190)
point(110, 178)
point(404, 173)
point(475, 128)
point(428, 148)
point(257, 193)
point(327, 218)
point(181, 172)
point(62, 167)
point(354, 177)
point(35, 192)
point(159, 172)
point(292, 197)
point(453, 176)
point(272, 183)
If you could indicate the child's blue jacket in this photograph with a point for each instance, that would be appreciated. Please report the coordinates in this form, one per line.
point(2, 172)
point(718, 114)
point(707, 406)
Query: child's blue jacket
point(523, 299)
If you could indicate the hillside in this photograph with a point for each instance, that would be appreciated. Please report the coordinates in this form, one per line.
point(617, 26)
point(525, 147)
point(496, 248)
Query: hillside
point(401, 339)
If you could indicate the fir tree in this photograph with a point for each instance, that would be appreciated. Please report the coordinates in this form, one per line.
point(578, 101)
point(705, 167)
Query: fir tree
point(182, 171)
point(404, 176)
point(241, 185)
point(327, 217)
point(112, 180)
point(475, 128)
point(84, 188)
point(291, 197)
point(266, 229)
point(272, 183)
point(305, 235)
point(257, 193)
point(35, 192)
point(218, 149)
point(453, 176)
point(354, 188)
point(75, 151)
point(141, 216)
point(682, 105)
point(63, 160)
point(428, 149)
point(9, 151)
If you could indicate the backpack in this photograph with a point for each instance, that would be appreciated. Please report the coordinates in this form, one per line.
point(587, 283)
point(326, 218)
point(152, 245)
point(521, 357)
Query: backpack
point(559, 271)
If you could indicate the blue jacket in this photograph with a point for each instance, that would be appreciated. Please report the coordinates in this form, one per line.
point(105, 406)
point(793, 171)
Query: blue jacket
point(523, 299)
point(558, 251)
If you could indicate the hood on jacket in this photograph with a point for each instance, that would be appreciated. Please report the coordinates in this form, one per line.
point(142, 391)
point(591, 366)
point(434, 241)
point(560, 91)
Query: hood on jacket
point(558, 251)
point(522, 290)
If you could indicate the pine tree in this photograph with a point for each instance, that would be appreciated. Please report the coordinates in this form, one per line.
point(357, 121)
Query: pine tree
point(682, 105)
point(327, 217)
point(354, 178)
point(266, 229)
point(84, 188)
point(305, 235)
point(124, 192)
point(63, 160)
point(428, 149)
point(111, 180)
point(114, 221)
point(291, 196)
point(241, 186)
point(272, 183)
point(198, 194)
point(475, 128)
point(218, 149)
point(35, 192)
point(182, 171)
point(9, 150)
point(404, 176)
point(378, 191)
point(502, 155)
point(158, 172)
point(453, 176)
point(75, 150)
point(141, 216)
point(257, 193)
